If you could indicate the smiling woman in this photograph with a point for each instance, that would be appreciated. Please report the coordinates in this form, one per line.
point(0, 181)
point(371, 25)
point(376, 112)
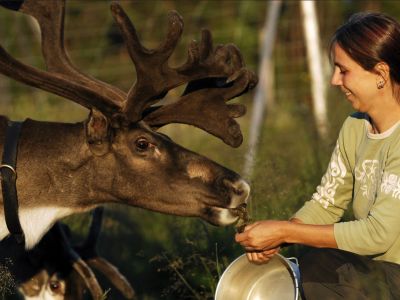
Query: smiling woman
point(355, 82)
point(366, 62)
point(363, 255)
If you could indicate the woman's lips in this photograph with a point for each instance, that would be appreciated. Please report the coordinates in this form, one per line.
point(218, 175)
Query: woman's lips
point(346, 92)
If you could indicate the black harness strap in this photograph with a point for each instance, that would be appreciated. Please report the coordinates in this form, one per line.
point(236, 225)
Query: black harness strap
point(8, 181)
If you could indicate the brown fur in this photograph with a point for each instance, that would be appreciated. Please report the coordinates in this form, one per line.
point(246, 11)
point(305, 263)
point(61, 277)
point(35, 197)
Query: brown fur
point(116, 155)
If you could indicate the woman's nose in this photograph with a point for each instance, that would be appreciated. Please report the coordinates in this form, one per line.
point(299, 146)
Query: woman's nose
point(336, 79)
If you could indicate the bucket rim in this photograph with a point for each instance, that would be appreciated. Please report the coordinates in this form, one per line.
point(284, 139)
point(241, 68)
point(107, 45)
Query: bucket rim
point(292, 267)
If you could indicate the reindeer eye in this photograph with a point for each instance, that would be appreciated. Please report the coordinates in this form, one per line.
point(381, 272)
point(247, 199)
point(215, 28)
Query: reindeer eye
point(142, 144)
point(54, 285)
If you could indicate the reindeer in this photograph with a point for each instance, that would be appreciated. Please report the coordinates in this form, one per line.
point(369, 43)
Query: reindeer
point(56, 270)
point(117, 155)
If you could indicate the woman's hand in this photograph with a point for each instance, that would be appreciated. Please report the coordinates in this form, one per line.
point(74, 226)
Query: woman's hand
point(261, 236)
point(261, 240)
point(263, 256)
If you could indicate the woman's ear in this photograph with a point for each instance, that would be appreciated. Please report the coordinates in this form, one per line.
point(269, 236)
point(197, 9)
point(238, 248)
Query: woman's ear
point(382, 69)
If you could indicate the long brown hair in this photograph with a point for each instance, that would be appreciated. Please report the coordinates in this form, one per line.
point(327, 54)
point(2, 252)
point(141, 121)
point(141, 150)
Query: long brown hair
point(369, 38)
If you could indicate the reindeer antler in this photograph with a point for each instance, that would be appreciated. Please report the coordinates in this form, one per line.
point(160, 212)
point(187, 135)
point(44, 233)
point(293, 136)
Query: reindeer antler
point(211, 103)
point(89, 278)
point(113, 274)
point(78, 264)
point(204, 107)
point(88, 252)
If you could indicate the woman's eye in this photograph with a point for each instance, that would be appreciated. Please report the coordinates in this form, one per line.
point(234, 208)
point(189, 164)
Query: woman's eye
point(142, 144)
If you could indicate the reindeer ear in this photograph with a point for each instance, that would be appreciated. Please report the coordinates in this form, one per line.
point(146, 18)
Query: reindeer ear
point(98, 133)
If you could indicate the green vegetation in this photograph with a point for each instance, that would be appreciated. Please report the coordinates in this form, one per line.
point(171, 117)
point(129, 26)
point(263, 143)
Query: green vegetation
point(168, 257)
point(7, 282)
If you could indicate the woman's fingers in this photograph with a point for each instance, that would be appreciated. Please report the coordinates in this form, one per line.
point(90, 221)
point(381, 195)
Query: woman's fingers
point(250, 226)
point(263, 256)
point(243, 237)
point(256, 257)
point(261, 235)
point(271, 251)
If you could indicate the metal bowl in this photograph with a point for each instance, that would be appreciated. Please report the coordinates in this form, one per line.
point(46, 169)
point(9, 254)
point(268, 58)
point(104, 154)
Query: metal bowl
point(243, 280)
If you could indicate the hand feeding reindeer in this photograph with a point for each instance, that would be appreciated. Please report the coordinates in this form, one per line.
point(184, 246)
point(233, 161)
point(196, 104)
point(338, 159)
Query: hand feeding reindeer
point(116, 155)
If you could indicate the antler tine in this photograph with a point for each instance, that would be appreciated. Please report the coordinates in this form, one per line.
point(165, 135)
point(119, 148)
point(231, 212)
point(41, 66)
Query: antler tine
point(89, 278)
point(115, 277)
point(206, 108)
point(135, 48)
point(62, 77)
point(148, 87)
point(89, 254)
point(79, 265)
point(155, 78)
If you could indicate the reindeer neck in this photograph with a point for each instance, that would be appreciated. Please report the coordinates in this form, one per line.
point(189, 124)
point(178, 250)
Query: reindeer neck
point(53, 180)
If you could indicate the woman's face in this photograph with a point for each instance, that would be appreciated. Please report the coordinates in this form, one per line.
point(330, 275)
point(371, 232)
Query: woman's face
point(358, 84)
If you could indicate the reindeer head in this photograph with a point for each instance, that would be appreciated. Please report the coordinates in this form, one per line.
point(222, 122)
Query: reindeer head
point(132, 162)
point(62, 271)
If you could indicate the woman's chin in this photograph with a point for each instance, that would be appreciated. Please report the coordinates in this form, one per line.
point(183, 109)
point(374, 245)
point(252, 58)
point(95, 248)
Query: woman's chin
point(355, 105)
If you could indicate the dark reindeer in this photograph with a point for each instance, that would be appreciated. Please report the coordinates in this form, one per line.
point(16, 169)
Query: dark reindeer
point(116, 155)
point(63, 271)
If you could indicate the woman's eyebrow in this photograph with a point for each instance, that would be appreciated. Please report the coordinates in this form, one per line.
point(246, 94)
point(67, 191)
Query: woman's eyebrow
point(339, 65)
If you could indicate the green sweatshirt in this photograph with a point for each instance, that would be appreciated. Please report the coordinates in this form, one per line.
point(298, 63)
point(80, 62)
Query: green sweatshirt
point(364, 170)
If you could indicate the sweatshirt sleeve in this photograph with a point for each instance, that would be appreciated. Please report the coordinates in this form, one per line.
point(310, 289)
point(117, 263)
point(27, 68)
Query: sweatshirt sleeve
point(376, 233)
point(334, 193)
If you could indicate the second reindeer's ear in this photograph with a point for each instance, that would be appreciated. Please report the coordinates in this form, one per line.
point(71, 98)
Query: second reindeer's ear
point(98, 133)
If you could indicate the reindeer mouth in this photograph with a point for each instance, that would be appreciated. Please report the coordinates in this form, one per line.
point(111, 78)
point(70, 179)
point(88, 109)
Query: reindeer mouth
point(223, 216)
point(240, 210)
point(243, 217)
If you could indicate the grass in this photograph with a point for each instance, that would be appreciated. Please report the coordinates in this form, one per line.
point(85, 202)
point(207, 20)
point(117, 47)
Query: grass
point(7, 282)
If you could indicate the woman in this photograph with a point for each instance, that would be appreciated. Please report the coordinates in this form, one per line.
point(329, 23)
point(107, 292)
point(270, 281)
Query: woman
point(358, 259)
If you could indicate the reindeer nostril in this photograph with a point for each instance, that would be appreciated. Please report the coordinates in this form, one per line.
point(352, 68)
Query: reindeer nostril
point(238, 191)
point(239, 187)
